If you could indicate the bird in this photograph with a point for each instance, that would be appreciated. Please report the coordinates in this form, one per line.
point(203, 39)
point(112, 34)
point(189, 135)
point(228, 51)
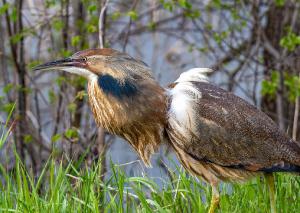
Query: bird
point(216, 135)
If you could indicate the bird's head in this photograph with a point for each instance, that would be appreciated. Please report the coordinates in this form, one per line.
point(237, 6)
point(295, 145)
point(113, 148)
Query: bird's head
point(98, 63)
point(116, 73)
point(123, 96)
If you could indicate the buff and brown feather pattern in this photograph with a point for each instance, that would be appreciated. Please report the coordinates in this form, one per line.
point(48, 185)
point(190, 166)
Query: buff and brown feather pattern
point(225, 135)
point(130, 103)
point(215, 134)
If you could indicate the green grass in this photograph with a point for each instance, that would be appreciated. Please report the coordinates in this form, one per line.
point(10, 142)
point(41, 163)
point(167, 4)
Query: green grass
point(75, 188)
point(70, 189)
point(5, 129)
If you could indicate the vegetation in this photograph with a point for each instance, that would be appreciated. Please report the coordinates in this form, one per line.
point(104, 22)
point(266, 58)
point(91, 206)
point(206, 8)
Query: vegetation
point(5, 129)
point(68, 188)
point(74, 187)
point(253, 46)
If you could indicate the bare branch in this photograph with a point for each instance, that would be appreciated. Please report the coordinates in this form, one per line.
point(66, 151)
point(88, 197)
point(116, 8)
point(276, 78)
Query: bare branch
point(296, 115)
point(295, 122)
point(101, 23)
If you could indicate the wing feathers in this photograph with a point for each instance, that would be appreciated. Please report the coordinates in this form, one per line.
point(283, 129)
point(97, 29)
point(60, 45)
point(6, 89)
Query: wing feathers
point(216, 126)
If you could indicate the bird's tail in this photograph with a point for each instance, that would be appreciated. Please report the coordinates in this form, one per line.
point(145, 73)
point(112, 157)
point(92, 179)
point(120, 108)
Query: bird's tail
point(283, 167)
point(295, 158)
point(290, 161)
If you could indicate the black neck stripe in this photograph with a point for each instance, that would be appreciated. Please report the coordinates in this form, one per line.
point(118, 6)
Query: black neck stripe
point(116, 88)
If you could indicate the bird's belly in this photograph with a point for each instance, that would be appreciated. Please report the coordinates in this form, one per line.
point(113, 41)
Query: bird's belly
point(210, 172)
point(192, 145)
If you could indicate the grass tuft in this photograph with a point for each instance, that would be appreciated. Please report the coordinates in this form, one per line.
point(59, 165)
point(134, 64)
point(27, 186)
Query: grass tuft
point(68, 189)
point(72, 188)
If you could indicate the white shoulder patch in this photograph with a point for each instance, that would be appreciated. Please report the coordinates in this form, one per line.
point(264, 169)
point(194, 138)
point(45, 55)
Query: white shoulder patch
point(183, 96)
point(194, 74)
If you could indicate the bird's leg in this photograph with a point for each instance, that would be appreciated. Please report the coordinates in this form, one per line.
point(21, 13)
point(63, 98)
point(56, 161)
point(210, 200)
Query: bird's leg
point(215, 199)
point(271, 185)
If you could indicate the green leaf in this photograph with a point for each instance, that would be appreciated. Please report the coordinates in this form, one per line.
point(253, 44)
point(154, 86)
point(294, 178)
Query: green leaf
point(75, 40)
point(14, 15)
point(219, 37)
point(290, 41)
point(27, 90)
point(72, 134)
point(55, 138)
point(92, 8)
point(168, 5)
point(292, 82)
point(91, 28)
point(279, 3)
point(32, 64)
point(81, 94)
point(50, 3)
point(193, 14)
point(57, 24)
point(8, 107)
point(28, 139)
point(133, 15)
point(7, 88)
point(115, 15)
point(151, 25)
point(60, 80)
point(203, 49)
point(72, 107)
point(78, 81)
point(234, 14)
point(269, 87)
point(52, 96)
point(217, 4)
point(16, 38)
point(191, 47)
point(184, 4)
point(65, 53)
point(4, 8)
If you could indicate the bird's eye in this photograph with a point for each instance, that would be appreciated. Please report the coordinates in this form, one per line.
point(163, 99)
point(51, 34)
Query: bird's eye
point(84, 59)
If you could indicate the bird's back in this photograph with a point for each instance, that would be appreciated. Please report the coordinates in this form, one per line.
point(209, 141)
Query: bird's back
point(215, 126)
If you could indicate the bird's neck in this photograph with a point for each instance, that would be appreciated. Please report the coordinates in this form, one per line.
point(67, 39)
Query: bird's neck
point(136, 113)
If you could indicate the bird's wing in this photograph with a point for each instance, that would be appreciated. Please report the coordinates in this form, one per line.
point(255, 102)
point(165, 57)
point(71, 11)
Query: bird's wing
point(216, 126)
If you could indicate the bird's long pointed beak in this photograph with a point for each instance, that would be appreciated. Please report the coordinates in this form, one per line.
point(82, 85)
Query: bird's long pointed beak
point(60, 64)
point(72, 65)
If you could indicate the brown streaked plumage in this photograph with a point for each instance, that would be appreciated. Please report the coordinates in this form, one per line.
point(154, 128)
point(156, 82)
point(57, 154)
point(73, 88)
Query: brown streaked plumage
point(237, 135)
point(137, 119)
point(215, 134)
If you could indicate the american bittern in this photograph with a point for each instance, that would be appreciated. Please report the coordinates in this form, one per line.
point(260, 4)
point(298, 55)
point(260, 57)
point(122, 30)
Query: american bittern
point(215, 134)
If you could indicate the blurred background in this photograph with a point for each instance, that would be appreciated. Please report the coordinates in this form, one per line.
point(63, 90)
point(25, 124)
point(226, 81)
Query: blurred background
point(252, 46)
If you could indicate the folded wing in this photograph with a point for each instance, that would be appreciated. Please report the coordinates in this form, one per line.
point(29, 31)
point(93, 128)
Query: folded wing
point(213, 125)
